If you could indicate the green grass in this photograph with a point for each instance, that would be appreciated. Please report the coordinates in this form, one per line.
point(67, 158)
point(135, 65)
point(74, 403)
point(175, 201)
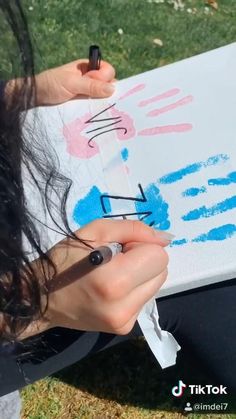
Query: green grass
point(63, 30)
point(67, 28)
point(123, 382)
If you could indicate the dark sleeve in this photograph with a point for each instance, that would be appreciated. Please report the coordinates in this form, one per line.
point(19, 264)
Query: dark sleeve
point(203, 322)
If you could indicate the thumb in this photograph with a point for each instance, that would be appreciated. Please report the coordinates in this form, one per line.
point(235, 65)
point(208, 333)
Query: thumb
point(94, 88)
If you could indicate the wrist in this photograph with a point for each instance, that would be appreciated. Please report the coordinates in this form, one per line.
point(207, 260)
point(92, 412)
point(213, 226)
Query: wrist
point(46, 318)
point(46, 88)
point(42, 87)
point(40, 324)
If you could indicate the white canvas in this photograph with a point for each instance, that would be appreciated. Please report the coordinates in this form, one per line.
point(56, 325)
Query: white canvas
point(180, 146)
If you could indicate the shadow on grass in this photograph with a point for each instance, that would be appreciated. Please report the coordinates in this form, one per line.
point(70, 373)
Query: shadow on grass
point(129, 374)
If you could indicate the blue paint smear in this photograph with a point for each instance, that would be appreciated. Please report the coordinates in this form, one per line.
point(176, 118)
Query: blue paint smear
point(204, 212)
point(231, 178)
point(193, 191)
point(192, 168)
point(178, 242)
point(216, 234)
point(89, 208)
point(125, 153)
point(155, 203)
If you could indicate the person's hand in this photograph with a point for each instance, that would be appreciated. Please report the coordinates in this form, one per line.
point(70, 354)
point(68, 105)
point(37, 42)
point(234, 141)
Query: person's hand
point(60, 84)
point(72, 81)
point(109, 297)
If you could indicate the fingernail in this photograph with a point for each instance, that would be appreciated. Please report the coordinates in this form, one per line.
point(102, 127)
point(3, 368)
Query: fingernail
point(108, 89)
point(164, 235)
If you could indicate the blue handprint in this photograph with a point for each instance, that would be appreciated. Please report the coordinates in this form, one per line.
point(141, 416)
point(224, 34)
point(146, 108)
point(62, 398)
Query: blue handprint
point(219, 233)
point(151, 208)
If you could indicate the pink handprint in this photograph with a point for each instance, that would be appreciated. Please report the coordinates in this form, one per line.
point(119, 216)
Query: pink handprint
point(81, 134)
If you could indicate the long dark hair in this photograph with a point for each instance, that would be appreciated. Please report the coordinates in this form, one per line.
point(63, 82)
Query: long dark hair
point(20, 288)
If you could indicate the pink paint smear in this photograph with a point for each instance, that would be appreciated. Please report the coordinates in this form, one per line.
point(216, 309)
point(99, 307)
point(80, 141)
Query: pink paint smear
point(77, 143)
point(185, 101)
point(132, 91)
point(166, 129)
point(127, 122)
point(162, 96)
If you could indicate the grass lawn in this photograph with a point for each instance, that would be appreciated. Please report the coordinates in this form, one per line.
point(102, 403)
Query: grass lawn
point(123, 382)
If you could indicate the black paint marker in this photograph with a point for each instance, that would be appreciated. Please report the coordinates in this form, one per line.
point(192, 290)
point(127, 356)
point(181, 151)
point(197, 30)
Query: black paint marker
point(105, 253)
point(94, 58)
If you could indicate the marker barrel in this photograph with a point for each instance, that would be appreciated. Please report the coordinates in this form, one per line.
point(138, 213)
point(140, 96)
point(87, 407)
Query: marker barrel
point(104, 254)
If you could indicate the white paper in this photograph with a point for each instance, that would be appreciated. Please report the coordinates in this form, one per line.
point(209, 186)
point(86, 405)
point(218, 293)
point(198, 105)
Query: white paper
point(176, 129)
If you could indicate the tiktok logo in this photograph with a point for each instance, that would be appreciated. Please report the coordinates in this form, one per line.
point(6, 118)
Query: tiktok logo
point(178, 390)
